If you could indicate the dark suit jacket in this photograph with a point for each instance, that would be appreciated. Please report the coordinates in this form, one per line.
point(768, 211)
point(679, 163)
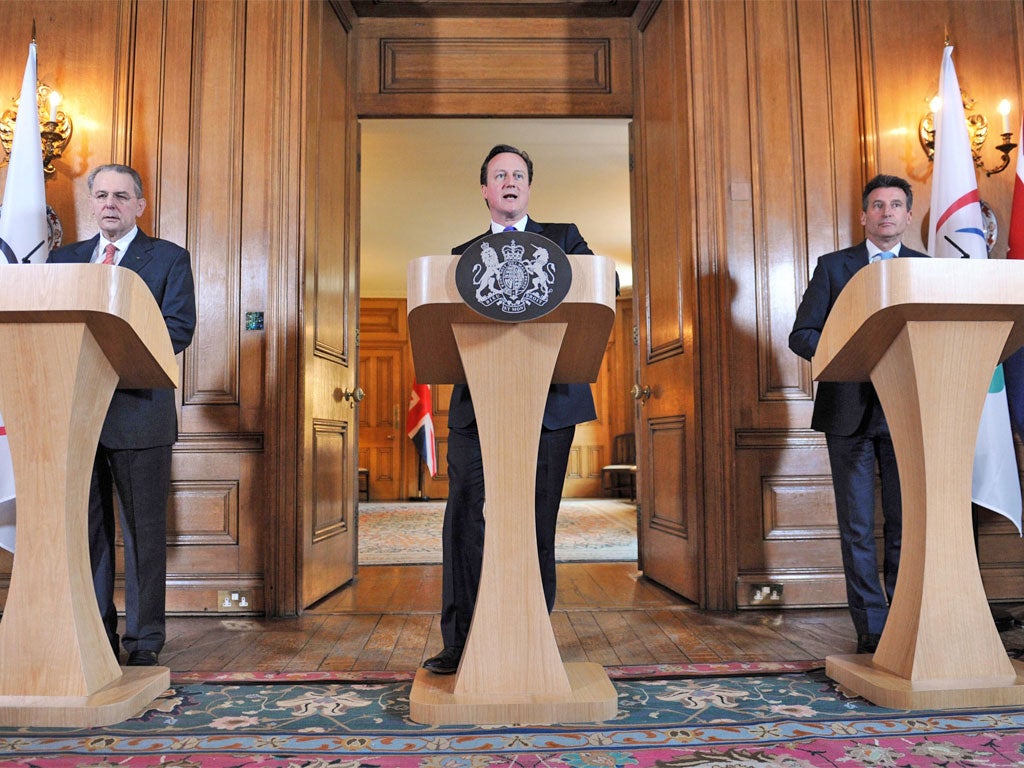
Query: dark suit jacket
point(146, 418)
point(567, 404)
point(839, 407)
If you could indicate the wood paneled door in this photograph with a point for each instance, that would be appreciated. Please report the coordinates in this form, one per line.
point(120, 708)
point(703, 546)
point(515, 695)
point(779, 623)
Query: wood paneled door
point(382, 434)
point(668, 445)
point(330, 407)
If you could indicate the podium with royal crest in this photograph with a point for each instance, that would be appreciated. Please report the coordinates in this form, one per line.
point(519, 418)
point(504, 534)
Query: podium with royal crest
point(509, 317)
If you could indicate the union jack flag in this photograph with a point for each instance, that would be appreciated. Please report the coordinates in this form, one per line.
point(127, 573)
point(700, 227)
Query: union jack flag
point(420, 426)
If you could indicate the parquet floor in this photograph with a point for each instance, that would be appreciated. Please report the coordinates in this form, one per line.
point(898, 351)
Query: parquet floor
point(605, 613)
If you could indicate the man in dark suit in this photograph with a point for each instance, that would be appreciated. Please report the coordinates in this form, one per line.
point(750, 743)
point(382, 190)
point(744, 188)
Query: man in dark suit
point(134, 452)
point(505, 178)
point(851, 416)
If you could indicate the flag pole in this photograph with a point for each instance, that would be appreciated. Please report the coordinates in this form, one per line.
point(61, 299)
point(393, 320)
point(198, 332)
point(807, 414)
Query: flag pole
point(420, 496)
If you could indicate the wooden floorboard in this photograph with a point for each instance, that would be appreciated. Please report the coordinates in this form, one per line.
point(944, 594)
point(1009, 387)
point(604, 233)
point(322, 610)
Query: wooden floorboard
point(607, 613)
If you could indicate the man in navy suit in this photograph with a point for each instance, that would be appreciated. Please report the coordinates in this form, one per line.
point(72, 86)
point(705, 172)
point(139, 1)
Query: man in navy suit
point(134, 452)
point(505, 178)
point(851, 416)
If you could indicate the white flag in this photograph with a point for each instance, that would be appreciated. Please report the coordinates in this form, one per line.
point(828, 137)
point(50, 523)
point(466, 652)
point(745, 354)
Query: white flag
point(23, 230)
point(958, 231)
point(23, 240)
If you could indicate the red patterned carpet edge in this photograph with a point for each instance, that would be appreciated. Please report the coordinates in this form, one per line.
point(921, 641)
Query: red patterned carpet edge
point(624, 672)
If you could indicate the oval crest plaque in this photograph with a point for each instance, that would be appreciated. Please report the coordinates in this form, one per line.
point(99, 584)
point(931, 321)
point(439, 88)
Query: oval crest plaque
point(513, 276)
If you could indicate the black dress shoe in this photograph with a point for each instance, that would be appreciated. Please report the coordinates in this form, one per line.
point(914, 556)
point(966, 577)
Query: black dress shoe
point(141, 658)
point(868, 643)
point(445, 663)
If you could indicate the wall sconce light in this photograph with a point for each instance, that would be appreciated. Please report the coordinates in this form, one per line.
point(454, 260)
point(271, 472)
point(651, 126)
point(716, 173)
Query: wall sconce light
point(54, 127)
point(977, 130)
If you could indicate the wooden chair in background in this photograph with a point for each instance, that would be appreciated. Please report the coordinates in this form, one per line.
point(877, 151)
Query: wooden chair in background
point(364, 484)
point(620, 476)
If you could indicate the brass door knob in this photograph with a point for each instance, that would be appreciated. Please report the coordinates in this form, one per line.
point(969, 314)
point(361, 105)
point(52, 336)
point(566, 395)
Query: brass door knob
point(642, 394)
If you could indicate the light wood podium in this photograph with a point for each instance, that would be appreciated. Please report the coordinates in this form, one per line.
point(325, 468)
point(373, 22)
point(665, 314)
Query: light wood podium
point(511, 670)
point(69, 334)
point(928, 333)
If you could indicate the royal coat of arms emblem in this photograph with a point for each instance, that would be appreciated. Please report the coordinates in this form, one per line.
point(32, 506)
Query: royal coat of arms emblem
point(513, 276)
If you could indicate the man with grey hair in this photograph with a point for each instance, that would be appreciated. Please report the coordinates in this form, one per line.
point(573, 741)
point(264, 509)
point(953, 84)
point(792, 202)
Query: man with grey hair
point(134, 451)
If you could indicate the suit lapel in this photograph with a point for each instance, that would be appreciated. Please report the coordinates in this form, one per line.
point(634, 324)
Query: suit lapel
point(86, 249)
point(856, 259)
point(140, 251)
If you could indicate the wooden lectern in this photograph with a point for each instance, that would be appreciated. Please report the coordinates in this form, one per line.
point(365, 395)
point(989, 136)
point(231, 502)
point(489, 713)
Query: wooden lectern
point(69, 334)
point(511, 670)
point(928, 333)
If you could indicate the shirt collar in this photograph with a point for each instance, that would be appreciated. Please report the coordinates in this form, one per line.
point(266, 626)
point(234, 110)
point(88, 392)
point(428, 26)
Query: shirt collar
point(520, 225)
point(121, 243)
point(874, 250)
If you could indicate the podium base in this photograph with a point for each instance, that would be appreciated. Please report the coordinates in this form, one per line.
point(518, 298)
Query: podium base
point(593, 699)
point(114, 703)
point(858, 673)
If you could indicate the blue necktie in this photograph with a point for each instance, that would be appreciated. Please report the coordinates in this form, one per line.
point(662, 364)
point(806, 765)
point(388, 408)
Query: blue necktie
point(886, 255)
point(513, 229)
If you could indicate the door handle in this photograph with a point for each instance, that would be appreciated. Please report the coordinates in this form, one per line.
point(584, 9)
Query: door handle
point(642, 394)
point(354, 396)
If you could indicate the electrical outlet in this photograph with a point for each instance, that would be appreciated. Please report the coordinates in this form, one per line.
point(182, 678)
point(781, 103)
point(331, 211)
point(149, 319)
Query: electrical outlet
point(765, 594)
point(231, 601)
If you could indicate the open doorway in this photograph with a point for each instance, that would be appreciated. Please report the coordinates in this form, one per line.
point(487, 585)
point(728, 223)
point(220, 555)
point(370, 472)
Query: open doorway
point(419, 190)
point(420, 195)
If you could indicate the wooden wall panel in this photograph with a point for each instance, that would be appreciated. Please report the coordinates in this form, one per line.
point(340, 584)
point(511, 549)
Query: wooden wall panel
point(798, 203)
point(825, 112)
point(174, 89)
point(460, 67)
point(777, 139)
point(214, 200)
point(427, 65)
point(195, 88)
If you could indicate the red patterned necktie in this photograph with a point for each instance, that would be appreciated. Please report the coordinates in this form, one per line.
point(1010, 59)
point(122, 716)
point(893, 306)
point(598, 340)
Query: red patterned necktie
point(108, 253)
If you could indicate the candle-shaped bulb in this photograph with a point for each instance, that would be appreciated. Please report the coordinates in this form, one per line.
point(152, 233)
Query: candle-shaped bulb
point(55, 100)
point(1004, 110)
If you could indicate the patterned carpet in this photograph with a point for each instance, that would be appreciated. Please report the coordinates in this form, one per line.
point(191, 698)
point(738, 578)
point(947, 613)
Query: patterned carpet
point(589, 530)
point(669, 716)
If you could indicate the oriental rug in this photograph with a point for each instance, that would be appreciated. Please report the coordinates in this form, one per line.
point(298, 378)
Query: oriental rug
point(409, 533)
point(670, 716)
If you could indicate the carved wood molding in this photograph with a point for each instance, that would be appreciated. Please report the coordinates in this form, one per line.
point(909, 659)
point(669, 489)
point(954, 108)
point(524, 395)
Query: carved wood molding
point(553, 65)
point(213, 512)
point(533, 67)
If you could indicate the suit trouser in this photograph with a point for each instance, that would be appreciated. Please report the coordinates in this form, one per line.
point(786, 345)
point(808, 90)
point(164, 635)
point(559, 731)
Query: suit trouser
point(853, 461)
point(462, 536)
point(142, 478)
